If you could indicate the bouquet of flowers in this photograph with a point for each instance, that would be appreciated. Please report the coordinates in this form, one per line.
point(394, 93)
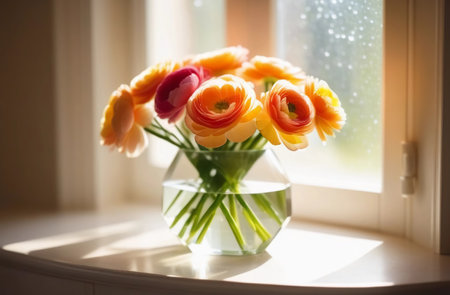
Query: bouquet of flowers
point(221, 101)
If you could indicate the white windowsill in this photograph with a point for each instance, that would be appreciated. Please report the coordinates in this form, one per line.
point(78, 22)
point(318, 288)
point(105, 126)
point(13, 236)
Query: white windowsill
point(131, 246)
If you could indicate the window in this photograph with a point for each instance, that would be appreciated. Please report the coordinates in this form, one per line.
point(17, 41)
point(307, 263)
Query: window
point(340, 42)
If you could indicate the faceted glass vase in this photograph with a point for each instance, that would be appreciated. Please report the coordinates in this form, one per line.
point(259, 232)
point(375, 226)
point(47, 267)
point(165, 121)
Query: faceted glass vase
point(226, 202)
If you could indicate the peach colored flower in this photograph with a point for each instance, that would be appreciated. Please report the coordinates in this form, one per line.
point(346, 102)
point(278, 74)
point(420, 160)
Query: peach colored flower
point(271, 68)
point(330, 115)
point(144, 85)
point(287, 115)
point(174, 91)
point(221, 61)
point(220, 109)
point(122, 123)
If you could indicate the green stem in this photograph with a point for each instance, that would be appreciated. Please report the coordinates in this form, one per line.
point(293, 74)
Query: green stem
point(253, 143)
point(249, 220)
point(260, 229)
point(233, 209)
point(173, 201)
point(200, 147)
point(246, 143)
point(184, 210)
point(267, 207)
point(204, 230)
point(249, 144)
point(158, 125)
point(151, 131)
point(258, 140)
point(186, 139)
point(169, 134)
point(281, 200)
point(207, 215)
point(233, 146)
point(268, 83)
point(186, 225)
point(199, 208)
point(194, 215)
point(261, 144)
point(233, 225)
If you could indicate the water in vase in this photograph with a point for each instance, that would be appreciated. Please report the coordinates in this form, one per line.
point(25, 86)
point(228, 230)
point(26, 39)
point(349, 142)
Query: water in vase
point(243, 221)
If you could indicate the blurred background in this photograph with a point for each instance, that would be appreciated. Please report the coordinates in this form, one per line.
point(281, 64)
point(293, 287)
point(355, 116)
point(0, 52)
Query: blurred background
point(28, 149)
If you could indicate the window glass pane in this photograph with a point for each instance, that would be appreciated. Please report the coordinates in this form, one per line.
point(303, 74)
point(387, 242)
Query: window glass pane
point(339, 41)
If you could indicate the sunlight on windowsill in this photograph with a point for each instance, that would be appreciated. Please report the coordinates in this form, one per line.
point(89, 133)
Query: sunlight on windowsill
point(297, 256)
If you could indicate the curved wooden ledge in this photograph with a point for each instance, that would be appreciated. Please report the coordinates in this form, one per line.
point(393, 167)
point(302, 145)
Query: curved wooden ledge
point(131, 252)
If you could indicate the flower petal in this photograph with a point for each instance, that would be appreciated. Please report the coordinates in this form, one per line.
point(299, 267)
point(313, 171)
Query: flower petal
point(222, 60)
point(174, 117)
point(262, 67)
point(107, 132)
point(143, 115)
point(255, 109)
point(241, 131)
point(175, 90)
point(135, 142)
point(123, 117)
point(264, 125)
point(330, 115)
point(144, 85)
point(211, 141)
point(180, 95)
point(294, 142)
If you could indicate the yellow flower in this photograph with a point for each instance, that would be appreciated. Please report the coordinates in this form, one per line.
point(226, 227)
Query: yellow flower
point(144, 85)
point(220, 61)
point(286, 117)
point(122, 123)
point(271, 68)
point(222, 108)
point(330, 115)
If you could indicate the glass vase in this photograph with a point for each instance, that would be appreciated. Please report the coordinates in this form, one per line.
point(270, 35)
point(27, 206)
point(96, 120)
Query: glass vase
point(226, 202)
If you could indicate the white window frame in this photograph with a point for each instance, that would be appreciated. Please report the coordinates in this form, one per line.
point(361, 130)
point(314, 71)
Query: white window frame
point(413, 31)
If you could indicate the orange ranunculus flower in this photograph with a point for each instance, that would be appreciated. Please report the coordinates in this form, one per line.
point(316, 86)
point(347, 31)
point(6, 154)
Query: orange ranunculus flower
point(330, 115)
point(220, 61)
point(143, 86)
point(272, 68)
point(222, 108)
point(122, 123)
point(287, 115)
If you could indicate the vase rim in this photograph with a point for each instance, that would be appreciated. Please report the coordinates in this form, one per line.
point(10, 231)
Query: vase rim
point(222, 151)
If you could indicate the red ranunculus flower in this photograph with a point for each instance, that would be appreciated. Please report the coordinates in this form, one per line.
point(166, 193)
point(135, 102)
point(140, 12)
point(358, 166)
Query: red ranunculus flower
point(175, 90)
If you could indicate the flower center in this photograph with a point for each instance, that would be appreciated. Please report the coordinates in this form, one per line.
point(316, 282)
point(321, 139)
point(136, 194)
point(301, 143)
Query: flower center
point(291, 107)
point(222, 105)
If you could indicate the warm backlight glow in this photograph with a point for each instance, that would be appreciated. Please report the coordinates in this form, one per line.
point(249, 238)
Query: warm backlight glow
point(68, 239)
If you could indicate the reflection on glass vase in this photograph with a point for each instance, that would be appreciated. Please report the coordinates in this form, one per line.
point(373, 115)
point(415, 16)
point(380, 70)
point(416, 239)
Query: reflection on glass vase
point(226, 202)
